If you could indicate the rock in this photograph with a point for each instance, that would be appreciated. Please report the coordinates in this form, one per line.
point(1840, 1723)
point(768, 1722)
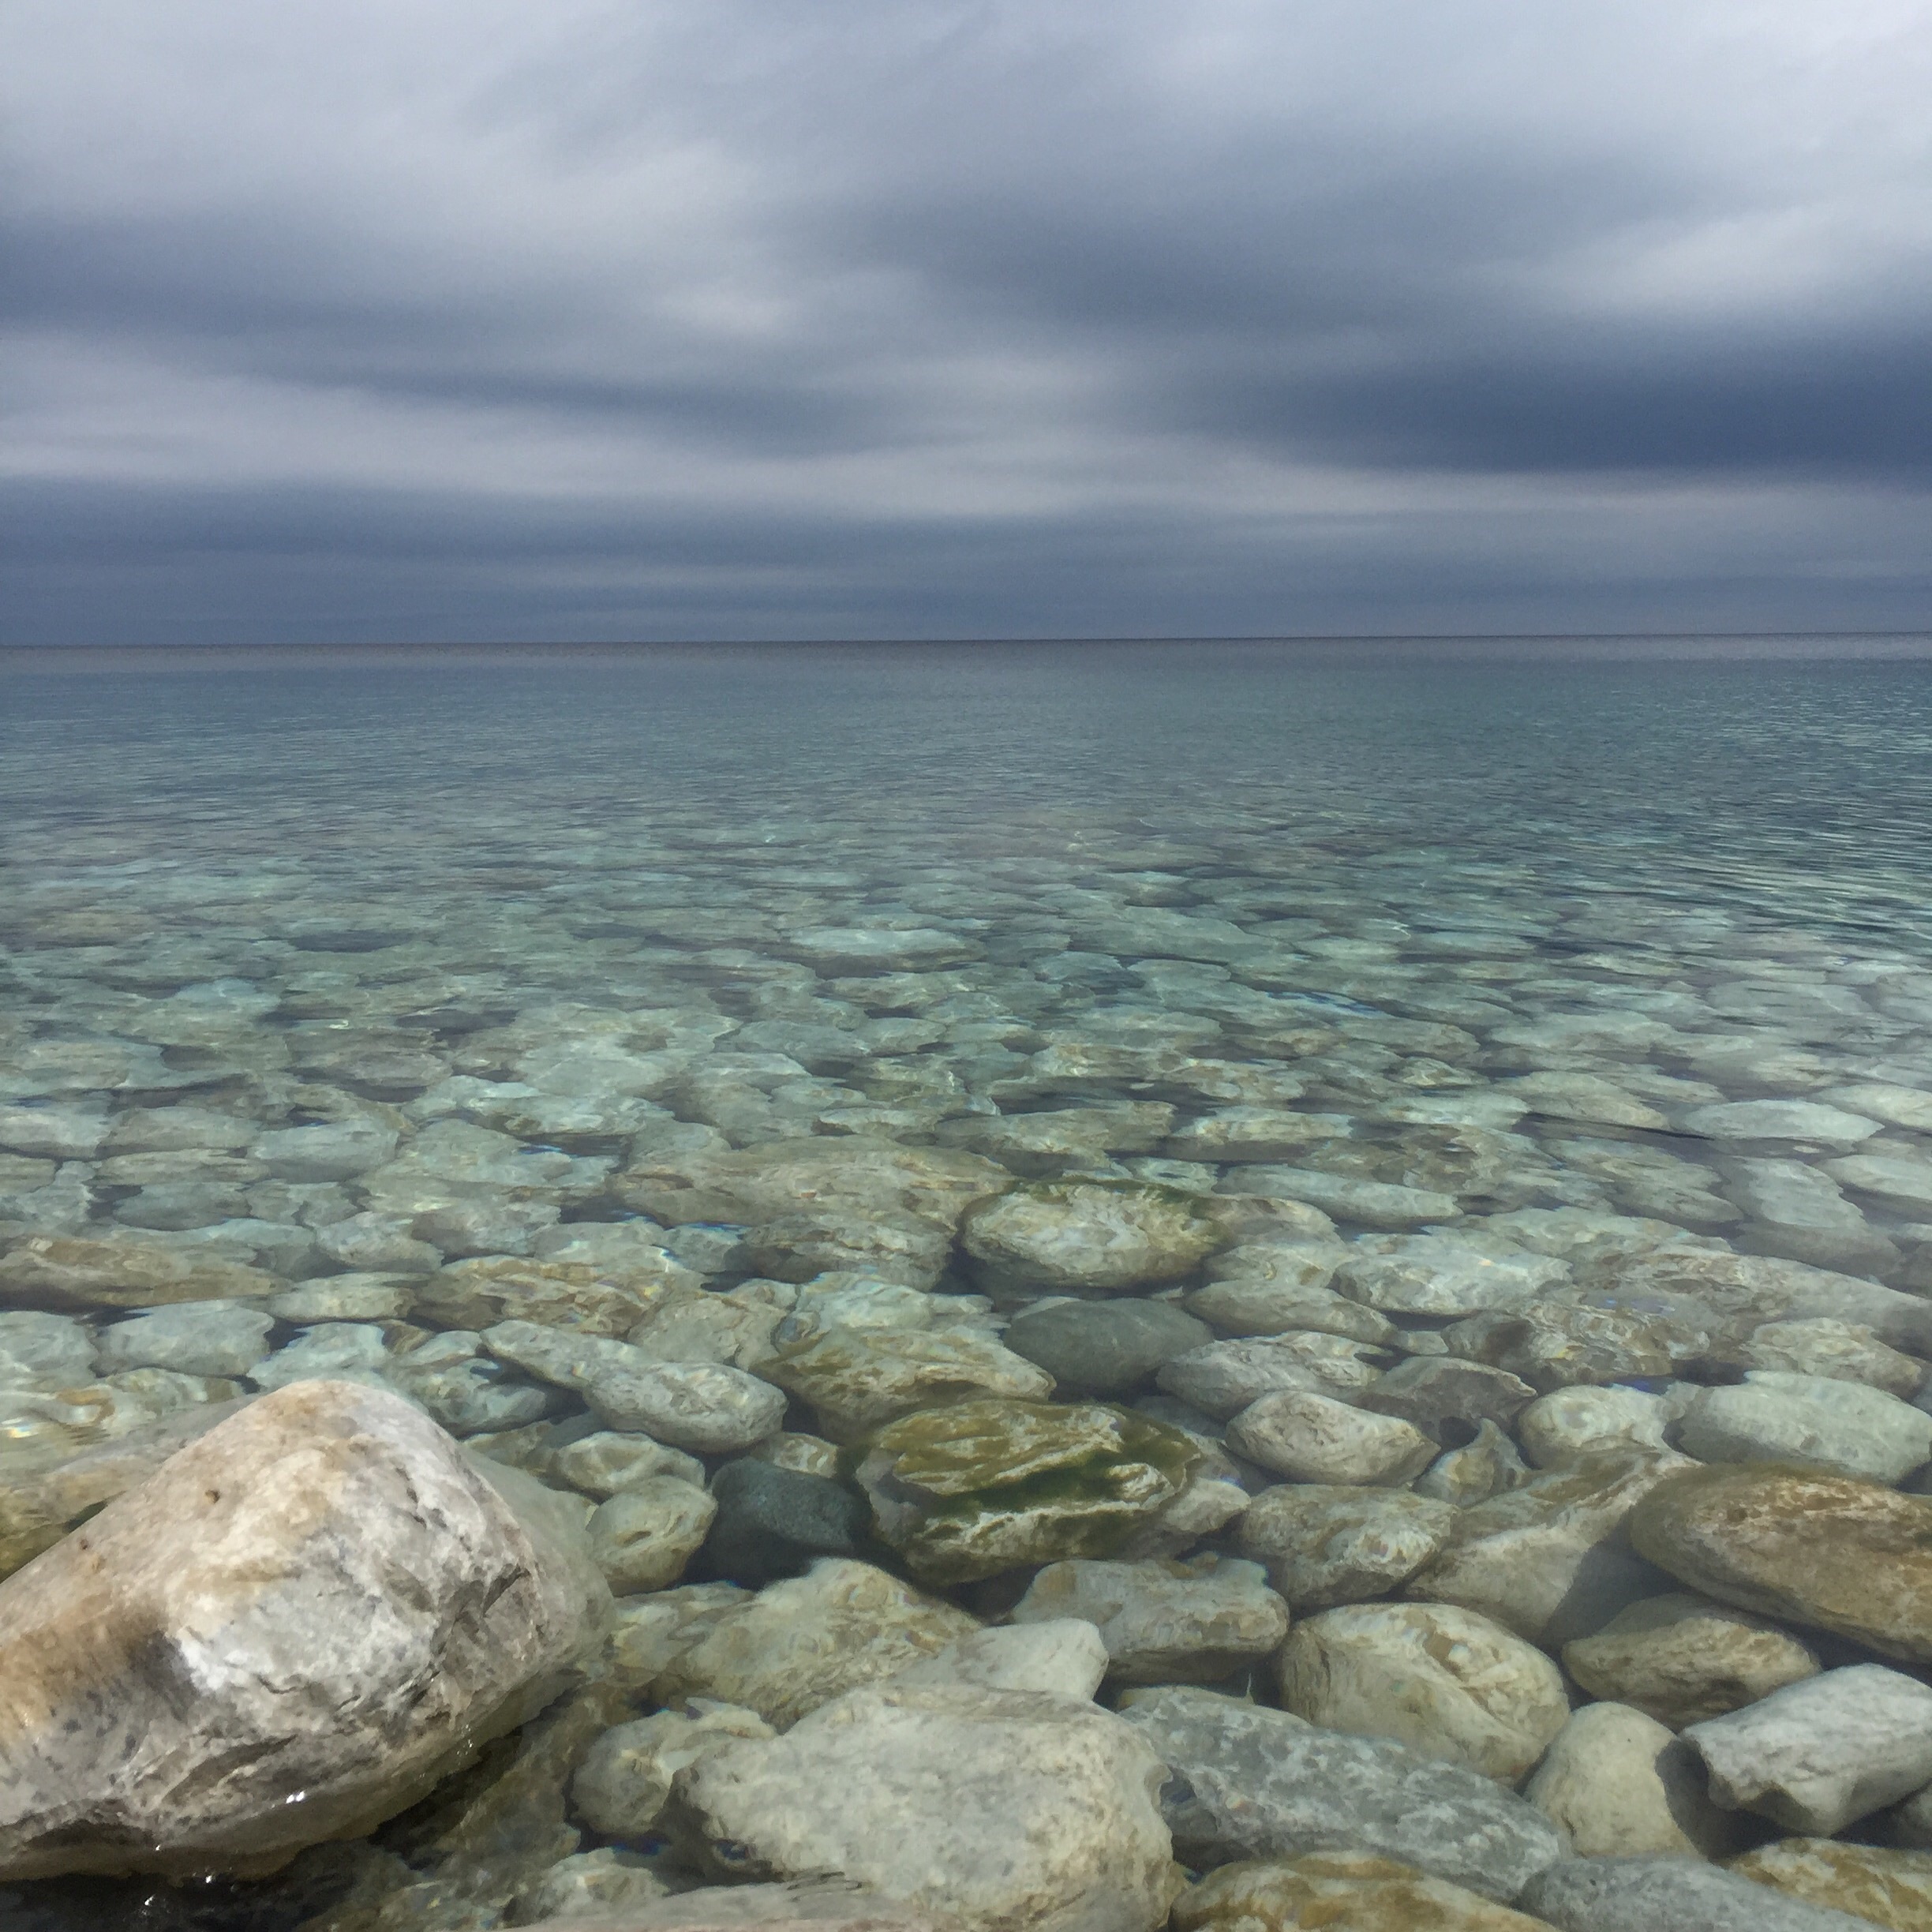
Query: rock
point(1898, 1107)
point(1796, 1210)
point(1478, 1470)
point(1571, 1423)
point(1248, 1782)
point(1586, 1097)
point(351, 1351)
point(887, 1786)
point(1103, 1348)
point(1436, 1275)
point(1248, 1305)
point(607, 1463)
point(1580, 1336)
point(877, 949)
point(642, 1538)
point(1223, 1378)
point(1668, 1895)
point(478, 1294)
point(1446, 1399)
point(1681, 1659)
point(699, 1325)
point(1445, 1682)
point(1551, 1560)
point(1065, 1655)
point(194, 1337)
point(1253, 1133)
point(1847, 1351)
point(1043, 1144)
point(1324, 1545)
point(774, 1522)
point(966, 1492)
point(702, 1406)
point(1312, 1439)
point(1890, 1888)
point(1808, 1120)
point(798, 1644)
point(624, 1782)
point(1825, 1550)
point(61, 1271)
point(1165, 1623)
point(1619, 1784)
point(328, 1151)
point(1816, 1756)
point(585, 1886)
point(812, 1455)
point(1089, 1237)
point(308, 1616)
point(344, 1297)
point(1347, 1891)
point(823, 1905)
point(649, 1633)
point(856, 1381)
point(1813, 1420)
point(39, 1350)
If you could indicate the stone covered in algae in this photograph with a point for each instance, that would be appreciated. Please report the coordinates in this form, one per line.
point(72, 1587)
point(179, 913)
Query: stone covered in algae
point(1089, 1237)
point(967, 1491)
point(1344, 1891)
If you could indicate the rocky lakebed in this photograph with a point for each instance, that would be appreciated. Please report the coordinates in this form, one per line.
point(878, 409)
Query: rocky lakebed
point(1086, 1374)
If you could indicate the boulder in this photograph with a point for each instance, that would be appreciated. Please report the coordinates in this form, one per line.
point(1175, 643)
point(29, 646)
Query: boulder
point(1447, 1682)
point(1016, 1811)
point(304, 1619)
point(1346, 1891)
point(1248, 1782)
point(1681, 1658)
point(1619, 1784)
point(1089, 1237)
point(1324, 1545)
point(1668, 1895)
point(1827, 1551)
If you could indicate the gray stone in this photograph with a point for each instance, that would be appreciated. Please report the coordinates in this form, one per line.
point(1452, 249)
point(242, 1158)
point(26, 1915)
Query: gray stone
point(1067, 1655)
point(607, 1462)
point(39, 1350)
point(774, 1522)
point(1324, 1545)
point(1573, 1422)
point(1223, 1378)
point(1435, 1275)
point(1817, 1755)
point(1316, 1439)
point(1103, 1348)
point(1446, 1398)
point(1807, 1120)
point(1250, 1782)
point(1478, 1470)
point(1816, 1422)
point(624, 1782)
point(1091, 1237)
point(1668, 1894)
point(1367, 1204)
point(196, 1338)
point(642, 1538)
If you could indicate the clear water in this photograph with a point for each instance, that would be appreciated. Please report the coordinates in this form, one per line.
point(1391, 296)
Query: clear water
point(361, 868)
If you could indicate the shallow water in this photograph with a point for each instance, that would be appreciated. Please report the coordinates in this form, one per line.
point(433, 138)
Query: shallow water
point(1408, 877)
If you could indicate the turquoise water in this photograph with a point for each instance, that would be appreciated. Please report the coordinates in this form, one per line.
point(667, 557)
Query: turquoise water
point(295, 887)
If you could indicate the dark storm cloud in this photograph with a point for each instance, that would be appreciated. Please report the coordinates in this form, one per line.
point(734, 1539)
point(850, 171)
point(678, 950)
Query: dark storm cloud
point(955, 317)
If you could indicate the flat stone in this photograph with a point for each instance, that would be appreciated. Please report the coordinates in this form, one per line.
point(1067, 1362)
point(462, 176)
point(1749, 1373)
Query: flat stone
point(1815, 1421)
point(624, 1782)
point(642, 1538)
point(1683, 1658)
point(1825, 1550)
point(1250, 1782)
point(66, 1272)
point(39, 1350)
point(1619, 1785)
point(1667, 1894)
point(774, 1522)
point(1818, 1755)
point(195, 1338)
point(1165, 1623)
point(1223, 1378)
point(1447, 1681)
point(886, 1786)
point(1350, 1891)
point(1091, 1237)
point(1891, 1889)
point(1897, 1106)
point(1897, 1180)
point(1324, 1545)
point(1314, 1438)
point(1586, 1097)
point(1366, 1204)
point(1103, 1348)
point(1798, 1209)
point(308, 1616)
point(1436, 1275)
point(1571, 1422)
point(1846, 1351)
point(798, 1644)
point(1445, 1398)
point(1808, 1121)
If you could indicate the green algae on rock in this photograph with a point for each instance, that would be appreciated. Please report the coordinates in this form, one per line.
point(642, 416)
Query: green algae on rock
point(965, 1491)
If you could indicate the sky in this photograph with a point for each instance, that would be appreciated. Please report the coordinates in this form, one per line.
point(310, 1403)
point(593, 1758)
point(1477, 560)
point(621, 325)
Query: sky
point(410, 320)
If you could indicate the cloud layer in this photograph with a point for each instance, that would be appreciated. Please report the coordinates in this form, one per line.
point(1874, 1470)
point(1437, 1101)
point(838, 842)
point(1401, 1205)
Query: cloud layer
point(403, 319)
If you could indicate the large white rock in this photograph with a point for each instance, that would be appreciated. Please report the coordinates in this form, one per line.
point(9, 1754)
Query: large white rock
point(1817, 1755)
point(290, 1631)
point(1018, 1811)
point(1445, 1682)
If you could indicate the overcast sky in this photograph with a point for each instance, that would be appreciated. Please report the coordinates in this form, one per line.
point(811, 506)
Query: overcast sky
point(570, 319)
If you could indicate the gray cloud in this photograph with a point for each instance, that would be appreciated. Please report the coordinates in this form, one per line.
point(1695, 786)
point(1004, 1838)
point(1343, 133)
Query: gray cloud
point(964, 317)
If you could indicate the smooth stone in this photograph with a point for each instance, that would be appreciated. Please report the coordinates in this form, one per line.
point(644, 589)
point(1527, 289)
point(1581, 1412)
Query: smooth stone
point(1846, 1351)
point(360, 1297)
point(62, 1133)
point(1323, 1545)
point(1668, 1895)
point(1046, 1143)
point(1248, 1306)
point(1550, 1559)
point(1899, 1182)
point(964, 1491)
point(1818, 1755)
point(1345, 1891)
point(798, 1644)
point(1897, 1106)
point(705, 1407)
point(1813, 1420)
point(1583, 1421)
point(328, 1151)
point(1780, 1120)
point(1892, 1889)
point(590, 1300)
point(642, 1538)
point(1682, 1658)
point(196, 1338)
point(1223, 1378)
point(1478, 1470)
point(1828, 1552)
point(1448, 1683)
point(1435, 1275)
point(1103, 1348)
point(1067, 1655)
point(1314, 1438)
point(824, 1905)
point(1165, 1623)
point(307, 1617)
point(348, 1350)
point(1091, 1237)
point(624, 1782)
point(887, 1786)
point(1253, 1133)
point(649, 1633)
point(66, 1272)
point(697, 1324)
point(791, 1449)
point(1446, 1398)
point(1367, 1204)
point(1248, 1782)
point(1588, 1338)
point(774, 1522)
point(877, 949)
point(857, 1381)
point(586, 1885)
point(607, 1463)
point(39, 1350)
point(1619, 1785)
point(1586, 1097)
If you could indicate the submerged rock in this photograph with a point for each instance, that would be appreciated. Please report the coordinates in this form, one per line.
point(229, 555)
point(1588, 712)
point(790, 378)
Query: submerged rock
point(1891, 1889)
point(1667, 1894)
point(1325, 1545)
point(1348, 1891)
point(291, 1631)
point(49, 1270)
point(1091, 1237)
